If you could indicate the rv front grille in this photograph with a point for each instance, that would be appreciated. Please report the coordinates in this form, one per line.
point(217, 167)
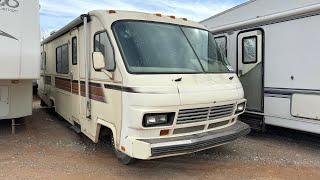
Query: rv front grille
point(205, 114)
point(218, 124)
point(189, 129)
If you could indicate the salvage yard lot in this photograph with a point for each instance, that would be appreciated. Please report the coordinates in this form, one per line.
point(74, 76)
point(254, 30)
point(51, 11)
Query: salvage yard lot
point(45, 147)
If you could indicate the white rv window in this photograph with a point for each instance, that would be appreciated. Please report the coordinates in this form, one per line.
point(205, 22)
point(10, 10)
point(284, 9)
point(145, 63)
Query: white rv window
point(43, 61)
point(74, 51)
point(103, 45)
point(249, 50)
point(222, 44)
point(62, 60)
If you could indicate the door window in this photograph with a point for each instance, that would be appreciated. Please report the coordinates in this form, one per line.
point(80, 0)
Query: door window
point(249, 50)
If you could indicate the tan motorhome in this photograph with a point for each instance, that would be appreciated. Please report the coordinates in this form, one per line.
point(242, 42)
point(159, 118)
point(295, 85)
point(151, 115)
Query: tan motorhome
point(157, 85)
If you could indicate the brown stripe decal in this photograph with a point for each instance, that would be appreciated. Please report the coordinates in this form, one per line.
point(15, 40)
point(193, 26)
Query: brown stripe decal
point(64, 84)
point(95, 89)
point(120, 88)
point(75, 87)
point(47, 80)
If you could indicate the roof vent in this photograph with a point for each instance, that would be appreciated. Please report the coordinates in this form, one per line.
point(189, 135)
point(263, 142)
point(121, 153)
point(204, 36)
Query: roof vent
point(112, 11)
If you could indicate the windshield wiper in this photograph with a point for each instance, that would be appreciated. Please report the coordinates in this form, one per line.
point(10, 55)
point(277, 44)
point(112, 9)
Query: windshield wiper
point(215, 60)
point(178, 79)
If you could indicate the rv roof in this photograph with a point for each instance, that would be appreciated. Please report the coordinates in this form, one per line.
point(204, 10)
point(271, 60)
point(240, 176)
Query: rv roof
point(112, 16)
point(259, 12)
point(228, 10)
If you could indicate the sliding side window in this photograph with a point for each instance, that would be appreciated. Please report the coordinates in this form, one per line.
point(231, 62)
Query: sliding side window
point(74, 51)
point(103, 45)
point(62, 59)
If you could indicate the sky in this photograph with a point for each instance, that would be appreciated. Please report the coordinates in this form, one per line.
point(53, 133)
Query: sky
point(57, 13)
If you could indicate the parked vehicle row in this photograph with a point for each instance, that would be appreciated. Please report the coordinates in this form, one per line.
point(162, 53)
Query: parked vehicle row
point(158, 86)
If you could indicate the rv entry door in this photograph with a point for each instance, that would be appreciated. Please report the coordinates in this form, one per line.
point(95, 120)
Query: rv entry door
point(250, 67)
point(76, 84)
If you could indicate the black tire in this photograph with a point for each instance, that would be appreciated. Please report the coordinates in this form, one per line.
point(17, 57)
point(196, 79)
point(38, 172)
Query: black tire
point(43, 104)
point(35, 90)
point(122, 158)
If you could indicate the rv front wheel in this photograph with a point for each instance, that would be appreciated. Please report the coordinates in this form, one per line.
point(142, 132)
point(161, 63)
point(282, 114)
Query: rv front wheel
point(42, 103)
point(122, 157)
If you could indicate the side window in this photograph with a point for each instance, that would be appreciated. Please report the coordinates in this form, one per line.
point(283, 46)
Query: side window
point(103, 45)
point(74, 51)
point(249, 50)
point(62, 60)
point(222, 44)
point(43, 61)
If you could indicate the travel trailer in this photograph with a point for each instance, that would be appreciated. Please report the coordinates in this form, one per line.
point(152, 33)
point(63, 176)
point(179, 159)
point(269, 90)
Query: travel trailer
point(273, 47)
point(19, 57)
point(157, 85)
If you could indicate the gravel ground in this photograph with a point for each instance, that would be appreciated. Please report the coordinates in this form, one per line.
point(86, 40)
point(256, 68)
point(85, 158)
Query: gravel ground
point(45, 148)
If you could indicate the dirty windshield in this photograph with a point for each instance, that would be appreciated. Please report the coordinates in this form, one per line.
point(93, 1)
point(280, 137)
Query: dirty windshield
point(149, 47)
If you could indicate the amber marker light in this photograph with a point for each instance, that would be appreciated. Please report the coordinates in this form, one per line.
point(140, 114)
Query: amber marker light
point(15, 81)
point(112, 11)
point(185, 19)
point(172, 17)
point(164, 132)
point(123, 148)
point(159, 15)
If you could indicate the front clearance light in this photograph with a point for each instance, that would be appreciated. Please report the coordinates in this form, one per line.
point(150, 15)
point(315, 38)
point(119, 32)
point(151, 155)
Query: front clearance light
point(240, 108)
point(151, 120)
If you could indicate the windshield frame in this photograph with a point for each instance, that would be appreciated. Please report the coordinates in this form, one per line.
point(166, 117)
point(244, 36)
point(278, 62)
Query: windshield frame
point(157, 22)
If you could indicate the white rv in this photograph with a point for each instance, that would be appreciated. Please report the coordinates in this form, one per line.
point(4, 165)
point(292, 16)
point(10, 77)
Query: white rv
point(273, 46)
point(158, 85)
point(19, 56)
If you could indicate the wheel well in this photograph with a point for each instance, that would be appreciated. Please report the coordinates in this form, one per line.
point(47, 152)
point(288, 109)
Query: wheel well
point(105, 134)
point(52, 102)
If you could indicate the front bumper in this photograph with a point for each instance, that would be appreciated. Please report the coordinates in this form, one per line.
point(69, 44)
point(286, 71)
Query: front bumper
point(188, 144)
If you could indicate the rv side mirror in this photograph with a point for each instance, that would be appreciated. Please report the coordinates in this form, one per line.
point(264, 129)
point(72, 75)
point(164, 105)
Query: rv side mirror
point(98, 61)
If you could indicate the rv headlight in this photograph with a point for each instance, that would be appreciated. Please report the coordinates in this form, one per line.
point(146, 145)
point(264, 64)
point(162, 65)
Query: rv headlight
point(150, 120)
point(240, 108)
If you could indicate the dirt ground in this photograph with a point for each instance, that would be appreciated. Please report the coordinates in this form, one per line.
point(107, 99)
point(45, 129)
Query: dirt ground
point(45, 148)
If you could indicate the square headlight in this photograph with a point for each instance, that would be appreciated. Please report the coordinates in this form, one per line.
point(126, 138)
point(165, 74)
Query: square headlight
point(150, 120)
point(241, 108)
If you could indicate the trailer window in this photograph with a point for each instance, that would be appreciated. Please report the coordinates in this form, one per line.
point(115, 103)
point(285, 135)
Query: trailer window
point(103, 45)
point(74, 51)
point(249, 50)
point(222, 44)
point(62, 60)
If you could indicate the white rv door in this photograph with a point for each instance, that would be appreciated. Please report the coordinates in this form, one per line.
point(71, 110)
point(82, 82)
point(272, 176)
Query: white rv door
point(76, 83)
point(250, 67)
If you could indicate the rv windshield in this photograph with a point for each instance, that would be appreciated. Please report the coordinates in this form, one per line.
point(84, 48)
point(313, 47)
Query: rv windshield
point(149, 47)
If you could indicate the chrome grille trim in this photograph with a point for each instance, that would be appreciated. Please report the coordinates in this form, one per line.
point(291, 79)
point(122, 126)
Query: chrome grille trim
point(205, 114)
